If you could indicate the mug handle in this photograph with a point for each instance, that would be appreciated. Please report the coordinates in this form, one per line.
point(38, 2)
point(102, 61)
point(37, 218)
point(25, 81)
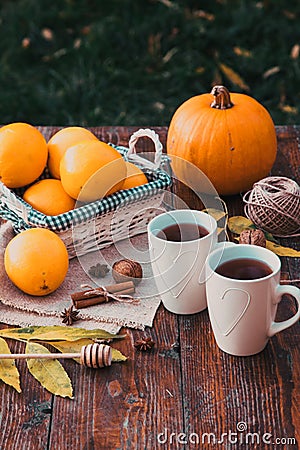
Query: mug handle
point(279, 326)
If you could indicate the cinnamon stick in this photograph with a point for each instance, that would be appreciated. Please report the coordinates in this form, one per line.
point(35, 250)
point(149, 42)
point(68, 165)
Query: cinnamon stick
point(94, 296)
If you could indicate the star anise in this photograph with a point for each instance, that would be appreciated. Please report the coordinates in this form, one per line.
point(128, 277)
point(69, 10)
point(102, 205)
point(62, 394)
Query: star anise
point(99, 270)
point(144, 344)
point(70, 315)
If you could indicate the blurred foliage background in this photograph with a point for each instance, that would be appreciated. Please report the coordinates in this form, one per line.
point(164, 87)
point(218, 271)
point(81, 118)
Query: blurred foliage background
point(130, 62)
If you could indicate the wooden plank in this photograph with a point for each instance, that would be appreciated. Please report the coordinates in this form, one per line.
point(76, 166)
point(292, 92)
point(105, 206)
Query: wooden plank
point(25, 418)
point(260, 393)
point(222, 391)
point(288, 341)
point(129, 404)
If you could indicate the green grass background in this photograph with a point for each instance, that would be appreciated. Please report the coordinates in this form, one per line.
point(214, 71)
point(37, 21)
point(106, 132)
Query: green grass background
point(123, 62)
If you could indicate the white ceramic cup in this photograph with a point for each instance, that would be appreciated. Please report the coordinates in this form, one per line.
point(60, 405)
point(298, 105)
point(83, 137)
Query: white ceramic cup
point(242, 312)
point(179, 267)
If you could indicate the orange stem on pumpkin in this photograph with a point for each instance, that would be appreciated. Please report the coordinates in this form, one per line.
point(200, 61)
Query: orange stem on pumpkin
point(222, 98)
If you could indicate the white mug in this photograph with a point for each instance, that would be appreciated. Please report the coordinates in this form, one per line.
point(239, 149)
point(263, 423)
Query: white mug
point(179, 267)
point(242, 312)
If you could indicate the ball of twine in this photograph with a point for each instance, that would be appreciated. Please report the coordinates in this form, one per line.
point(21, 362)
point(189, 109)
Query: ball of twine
point(273, 205)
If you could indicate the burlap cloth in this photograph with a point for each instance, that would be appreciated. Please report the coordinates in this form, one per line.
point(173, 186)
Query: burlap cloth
point(17, 308)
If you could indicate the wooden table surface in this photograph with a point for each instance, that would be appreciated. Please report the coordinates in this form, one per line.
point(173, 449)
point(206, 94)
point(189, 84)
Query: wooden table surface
point(184, 388)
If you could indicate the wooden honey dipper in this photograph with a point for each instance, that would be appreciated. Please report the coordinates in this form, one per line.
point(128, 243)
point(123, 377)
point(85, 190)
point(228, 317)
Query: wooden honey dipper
point(92, 355)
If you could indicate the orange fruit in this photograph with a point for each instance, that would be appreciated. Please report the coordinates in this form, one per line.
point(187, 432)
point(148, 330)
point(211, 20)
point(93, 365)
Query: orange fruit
point(23, 154)
point(135, 176)
point(49, 197)
point(92, 169)
point(36, 261)
point(61, 141)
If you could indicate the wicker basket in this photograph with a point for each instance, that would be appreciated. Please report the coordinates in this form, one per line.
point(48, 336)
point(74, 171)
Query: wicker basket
point(100, 223)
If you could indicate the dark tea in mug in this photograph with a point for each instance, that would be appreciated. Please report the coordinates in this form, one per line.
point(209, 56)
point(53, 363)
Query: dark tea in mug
point(244, 269)
point(182, 232)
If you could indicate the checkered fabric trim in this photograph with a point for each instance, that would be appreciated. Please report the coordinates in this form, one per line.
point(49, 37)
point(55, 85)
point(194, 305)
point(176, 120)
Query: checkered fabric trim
point(158, 180)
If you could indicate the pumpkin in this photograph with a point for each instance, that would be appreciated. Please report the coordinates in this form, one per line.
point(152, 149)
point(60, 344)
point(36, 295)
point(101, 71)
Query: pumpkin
point(231, 138)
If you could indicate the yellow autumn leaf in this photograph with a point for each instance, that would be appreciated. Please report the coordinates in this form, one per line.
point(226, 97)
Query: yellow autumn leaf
point(55, 333)
point(242, 52)
point(237, 224)
point(49, 372)
point(280, 250)
point(200, 70)
point(217, 214)
point(117, 356)
point(75, 347)
point(288, 109)
point(220, 231)
point(71, 347)
point(203, 15)
point(9, 373)
point(234, 77)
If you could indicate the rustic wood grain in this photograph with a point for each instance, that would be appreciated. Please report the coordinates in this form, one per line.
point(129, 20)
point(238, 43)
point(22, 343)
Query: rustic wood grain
point(127, 405)
point(261, 391)
point(185, 387)
point(24, 418)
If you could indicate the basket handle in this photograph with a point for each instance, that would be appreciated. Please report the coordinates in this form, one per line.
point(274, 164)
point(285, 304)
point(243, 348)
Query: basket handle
point(12, 202)
point(131, 154)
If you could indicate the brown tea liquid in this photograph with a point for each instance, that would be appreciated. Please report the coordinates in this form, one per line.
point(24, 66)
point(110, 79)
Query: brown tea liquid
point(244, 269)
point(182, 232)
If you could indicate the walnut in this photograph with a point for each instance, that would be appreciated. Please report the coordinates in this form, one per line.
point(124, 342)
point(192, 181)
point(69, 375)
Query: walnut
point(126, 270)
point(254, 237)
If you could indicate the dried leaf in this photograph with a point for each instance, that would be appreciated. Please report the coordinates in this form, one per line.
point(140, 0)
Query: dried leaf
point(288, 109)
point(117, 356)
point(234, 77)
point(242, 52)
point(200, 70)
point(295, 52)
point(71, 347)
point(280, 250)
point(203, 15)
point(154, 43)
point(85, 30)
point(169, 55)
point(168, 3)
point(47, 34)
point(59, 53)
point(289, 14)
point(56, 333)
point(77, 43)
point(9, 373)
point(220, 230)
point(49, 372)
point(26, 42)
point(271, 71)
point(237, 224)
point(217, 214)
